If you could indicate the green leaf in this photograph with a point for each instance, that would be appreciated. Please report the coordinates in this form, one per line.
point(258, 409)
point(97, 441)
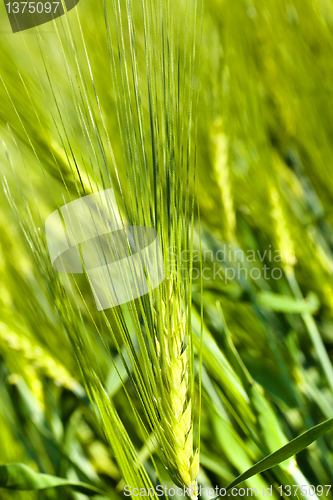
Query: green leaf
point(21, 477)
point(289, 450)
point(286, 304)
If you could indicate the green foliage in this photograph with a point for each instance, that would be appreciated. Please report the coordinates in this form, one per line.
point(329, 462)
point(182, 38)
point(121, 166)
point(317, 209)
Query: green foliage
point(21, 477)
point(212, 123)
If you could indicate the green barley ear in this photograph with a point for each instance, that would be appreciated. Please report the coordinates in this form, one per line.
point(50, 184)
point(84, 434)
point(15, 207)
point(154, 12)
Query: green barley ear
point(164, 183)
point(222, 173)
point(174, 353)
point(286, 246)
point(284, 241)
point(35, 360)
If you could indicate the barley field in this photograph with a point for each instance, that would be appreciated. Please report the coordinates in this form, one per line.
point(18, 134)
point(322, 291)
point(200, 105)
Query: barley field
point(184, 349)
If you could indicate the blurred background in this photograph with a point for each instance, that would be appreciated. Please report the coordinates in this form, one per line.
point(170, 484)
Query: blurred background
point(265, 196)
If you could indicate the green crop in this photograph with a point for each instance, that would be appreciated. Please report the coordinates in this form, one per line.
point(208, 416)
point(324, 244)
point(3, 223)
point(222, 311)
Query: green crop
point(211, 123)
